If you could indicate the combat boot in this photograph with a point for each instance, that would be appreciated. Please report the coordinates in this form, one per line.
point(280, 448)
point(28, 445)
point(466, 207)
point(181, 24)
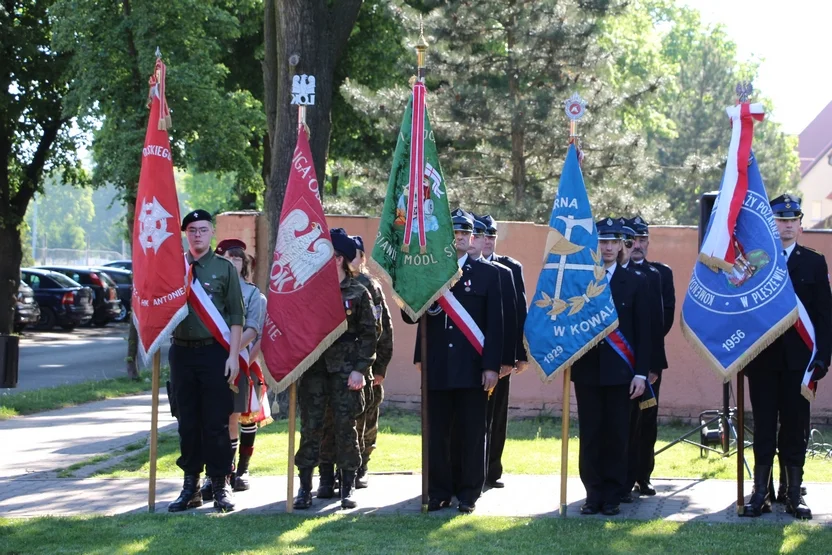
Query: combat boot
point(222, 494)
point(189, 498)
point(326, 483)
point(361, 478)
point(794, 500)
point(207, 490)
point(304, 499)
point(347, 485)
point(760, 501)
point(240, 480)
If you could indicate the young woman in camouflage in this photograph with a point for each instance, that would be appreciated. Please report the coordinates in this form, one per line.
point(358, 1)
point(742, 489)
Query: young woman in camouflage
point(242, 431)
point(337, 379)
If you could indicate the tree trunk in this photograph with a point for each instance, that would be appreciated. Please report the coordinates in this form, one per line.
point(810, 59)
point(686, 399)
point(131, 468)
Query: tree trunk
point(131, 360)
point(9, 273)
point(518, 130)
point(317, 35)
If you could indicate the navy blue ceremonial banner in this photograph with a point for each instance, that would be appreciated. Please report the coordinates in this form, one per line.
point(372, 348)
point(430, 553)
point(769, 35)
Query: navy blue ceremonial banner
point(729, 317)
point(572, 308)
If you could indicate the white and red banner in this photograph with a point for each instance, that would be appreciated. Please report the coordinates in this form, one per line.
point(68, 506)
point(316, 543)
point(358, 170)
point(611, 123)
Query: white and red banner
point(159, 286)
point(806, 330)
point(304, 312)
point(416, 192)
point(718, 248)
point(463, 320)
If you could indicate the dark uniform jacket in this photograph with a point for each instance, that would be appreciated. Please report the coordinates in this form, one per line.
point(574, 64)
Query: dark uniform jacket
point(519, 302)
point(668, 294)
point(453, 363)
point(384, 326)
point(355, 349)
point(508, 295)
point(658, 360)
point(219, 279)
point(810, 278)
point(601, 365)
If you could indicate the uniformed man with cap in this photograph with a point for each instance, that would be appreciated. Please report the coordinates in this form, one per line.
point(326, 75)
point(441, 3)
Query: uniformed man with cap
point(654, 282)
point(203, 371)
point(649, 417)
point(776, 374)
point(497, 413)
point(605, 384)
point(459, 377)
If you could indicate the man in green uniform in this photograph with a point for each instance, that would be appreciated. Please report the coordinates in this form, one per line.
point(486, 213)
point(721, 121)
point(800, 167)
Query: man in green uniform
point(203, 371)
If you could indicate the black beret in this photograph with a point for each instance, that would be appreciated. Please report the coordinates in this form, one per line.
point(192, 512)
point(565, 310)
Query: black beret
point(359, 242)
point(342, 243)
point(198, 215)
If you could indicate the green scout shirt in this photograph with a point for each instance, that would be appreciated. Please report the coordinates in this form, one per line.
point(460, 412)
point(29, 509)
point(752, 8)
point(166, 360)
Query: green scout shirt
point(219, 279)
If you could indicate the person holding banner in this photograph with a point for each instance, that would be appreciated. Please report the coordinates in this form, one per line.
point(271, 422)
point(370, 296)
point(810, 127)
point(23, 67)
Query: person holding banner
point(464, 348)
point(337, 380)
point(204, 366)
point(608, 377)
point(775, 376)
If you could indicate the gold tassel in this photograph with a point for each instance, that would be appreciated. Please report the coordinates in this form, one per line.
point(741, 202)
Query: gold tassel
point(647, 404)
point(423, 250)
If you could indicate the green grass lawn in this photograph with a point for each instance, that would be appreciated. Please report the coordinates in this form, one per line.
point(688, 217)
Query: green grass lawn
point(50, 398)
point(533, 447)
point(290, 534)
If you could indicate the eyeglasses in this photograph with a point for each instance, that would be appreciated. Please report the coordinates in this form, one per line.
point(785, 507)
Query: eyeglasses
point(198, 230)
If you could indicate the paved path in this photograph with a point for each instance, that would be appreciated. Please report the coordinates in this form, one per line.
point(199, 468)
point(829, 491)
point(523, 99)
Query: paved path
point(34, 447)
point(60, 357)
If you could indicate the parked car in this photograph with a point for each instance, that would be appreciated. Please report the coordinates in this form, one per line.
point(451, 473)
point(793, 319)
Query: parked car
point(26, 309)
point(122, 264)
point(124, 285)
point(104, 291)
point(62, 302)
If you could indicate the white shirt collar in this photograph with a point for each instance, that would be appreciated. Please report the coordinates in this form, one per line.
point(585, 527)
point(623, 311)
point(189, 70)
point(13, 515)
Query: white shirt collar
point(490, 258)
point(789, 250)
point(611, 269)
point(625, 264)
point(463, 260)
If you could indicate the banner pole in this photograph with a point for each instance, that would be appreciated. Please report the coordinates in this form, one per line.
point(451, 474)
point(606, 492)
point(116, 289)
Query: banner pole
point(290, 468)
point(740, 442)
point(423, 340)
point(564, 438)
point(154, 431)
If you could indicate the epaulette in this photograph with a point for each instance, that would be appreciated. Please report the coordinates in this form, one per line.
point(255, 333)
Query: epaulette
point(660, 264)
point(810, 249)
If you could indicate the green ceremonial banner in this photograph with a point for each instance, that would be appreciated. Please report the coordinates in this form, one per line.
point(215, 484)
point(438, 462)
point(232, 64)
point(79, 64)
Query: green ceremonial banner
point(418, 278)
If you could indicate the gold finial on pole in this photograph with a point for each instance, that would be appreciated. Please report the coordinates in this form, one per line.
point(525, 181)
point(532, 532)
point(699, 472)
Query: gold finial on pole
point(421, 52)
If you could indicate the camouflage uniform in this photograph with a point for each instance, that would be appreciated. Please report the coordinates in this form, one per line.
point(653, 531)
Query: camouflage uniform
point(325, 383)
point(367, 421)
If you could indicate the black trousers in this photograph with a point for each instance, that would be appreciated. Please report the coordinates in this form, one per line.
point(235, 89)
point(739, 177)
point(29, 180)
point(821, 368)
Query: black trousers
point(204, 403)
point(775, 393)
point(634, 441)
point(604, 425)
point(462, 410)
point(496, 423)
point(646, 445)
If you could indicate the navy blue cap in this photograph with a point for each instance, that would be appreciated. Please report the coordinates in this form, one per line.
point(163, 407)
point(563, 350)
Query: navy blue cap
point(640, 226)
point(195, 216)
point(479, 226)
point(462, 220)
point(625, 230)
point(490, 225)
point(359, 242)
point(786, 207)
point(608, 229)
point(342, 243)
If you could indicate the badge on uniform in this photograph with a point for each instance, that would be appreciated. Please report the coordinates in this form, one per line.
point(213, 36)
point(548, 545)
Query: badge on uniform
point(377, 312)
point(348, 306)
point(467, 285)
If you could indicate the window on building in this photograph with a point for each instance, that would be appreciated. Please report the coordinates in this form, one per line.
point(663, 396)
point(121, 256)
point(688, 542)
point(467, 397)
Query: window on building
point(817, 214)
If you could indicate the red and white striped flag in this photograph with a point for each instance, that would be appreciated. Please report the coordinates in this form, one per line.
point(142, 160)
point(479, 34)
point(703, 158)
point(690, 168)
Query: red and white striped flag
point(806, 331)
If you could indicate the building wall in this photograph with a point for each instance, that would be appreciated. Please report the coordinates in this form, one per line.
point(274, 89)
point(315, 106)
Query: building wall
point(688, 388)
point(815, 188)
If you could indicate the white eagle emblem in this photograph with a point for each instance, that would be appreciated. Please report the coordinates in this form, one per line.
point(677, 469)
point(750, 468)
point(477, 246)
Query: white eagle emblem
point(299, 253)
point(153, 225)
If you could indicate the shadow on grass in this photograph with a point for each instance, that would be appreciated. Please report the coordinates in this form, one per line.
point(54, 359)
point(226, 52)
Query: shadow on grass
point(287, 534)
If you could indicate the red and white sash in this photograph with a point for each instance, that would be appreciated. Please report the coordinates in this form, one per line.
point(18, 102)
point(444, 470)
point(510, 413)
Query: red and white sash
point(806, 331)
point(463, 319)
point(210, 316)
point(258, 408)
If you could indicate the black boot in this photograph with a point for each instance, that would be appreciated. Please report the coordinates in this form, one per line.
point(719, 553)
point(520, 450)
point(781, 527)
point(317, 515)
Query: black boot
point(222, 494)
point(326, 483)
point(794, 500)
point(760, 501)
point(361, 478)
point(347, 485)
point(206, 491)
point(241, 474)
point(189, 498)
point(304, 499)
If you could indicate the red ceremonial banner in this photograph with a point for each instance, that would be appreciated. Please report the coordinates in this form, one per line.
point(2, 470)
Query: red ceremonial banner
point(159, 283)
point(304, 312)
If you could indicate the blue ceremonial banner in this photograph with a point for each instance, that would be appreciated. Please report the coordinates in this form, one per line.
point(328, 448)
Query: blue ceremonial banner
point(729, 317)
point(572, 308)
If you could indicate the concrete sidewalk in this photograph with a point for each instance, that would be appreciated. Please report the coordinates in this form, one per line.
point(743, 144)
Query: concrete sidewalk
point(35, 447)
